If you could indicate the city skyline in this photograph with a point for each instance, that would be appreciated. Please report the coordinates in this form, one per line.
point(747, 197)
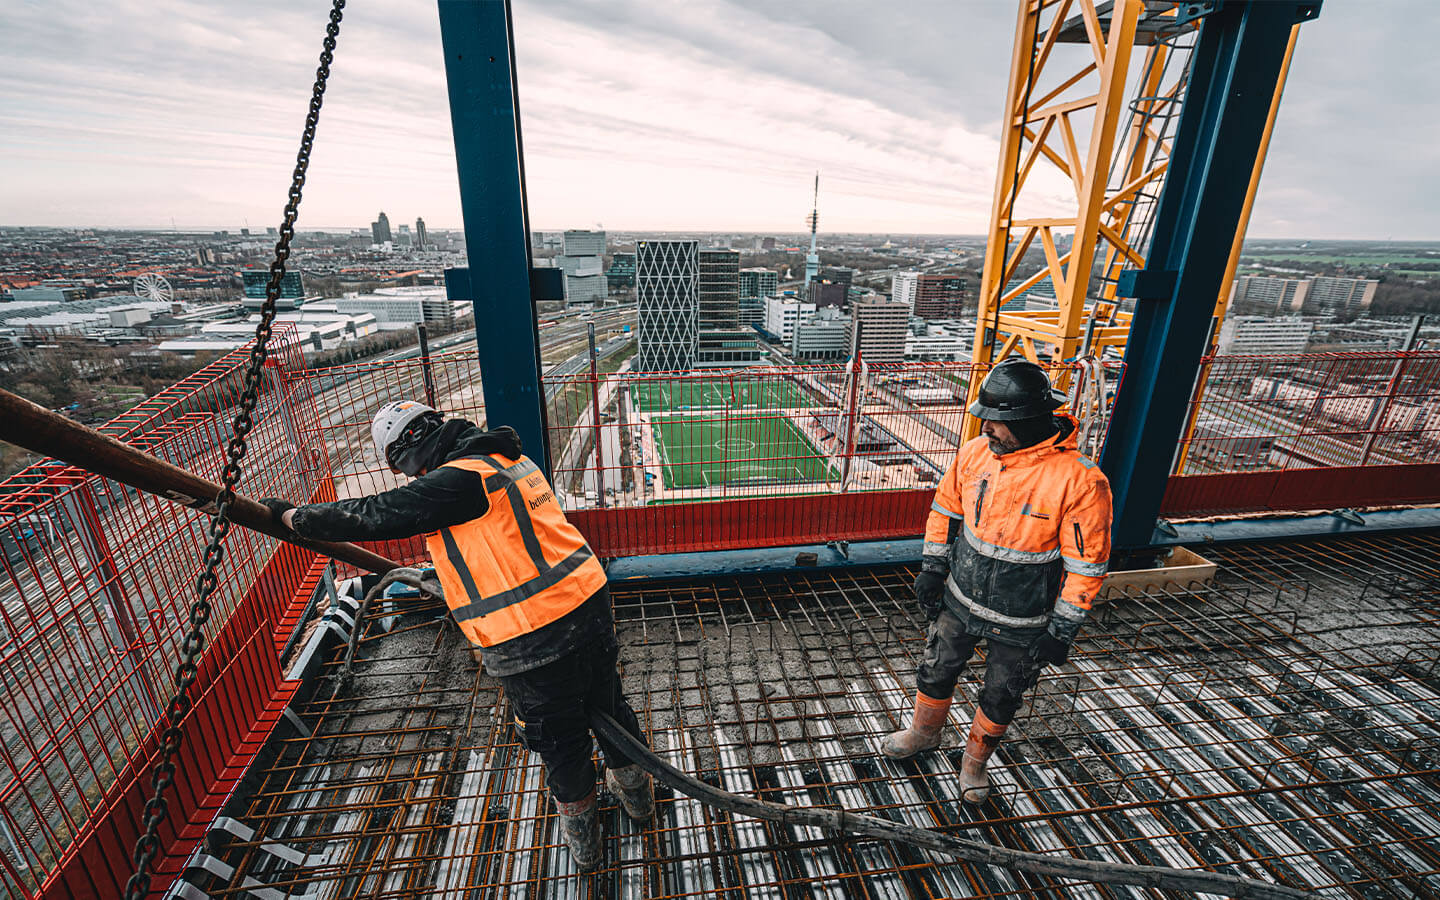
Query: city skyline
point(111, 121)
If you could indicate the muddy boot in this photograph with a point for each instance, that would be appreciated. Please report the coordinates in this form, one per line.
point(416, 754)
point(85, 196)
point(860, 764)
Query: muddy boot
point(984, 737)
point(582, 831)
point(635, 790)
point(924, 731)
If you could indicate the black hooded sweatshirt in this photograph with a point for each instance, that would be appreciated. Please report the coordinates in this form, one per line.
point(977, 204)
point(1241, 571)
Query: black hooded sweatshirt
point(441, 498)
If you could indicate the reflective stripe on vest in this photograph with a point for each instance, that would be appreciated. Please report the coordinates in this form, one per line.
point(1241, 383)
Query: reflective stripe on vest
point(489, 585)
point(980, 611)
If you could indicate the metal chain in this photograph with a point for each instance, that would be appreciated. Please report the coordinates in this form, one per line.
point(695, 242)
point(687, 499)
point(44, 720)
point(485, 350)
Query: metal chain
point(147, 847)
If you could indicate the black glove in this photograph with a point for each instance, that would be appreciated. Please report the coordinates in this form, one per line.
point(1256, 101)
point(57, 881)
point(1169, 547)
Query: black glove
point(1048, 650)
point(929, 589)
point(277, 508)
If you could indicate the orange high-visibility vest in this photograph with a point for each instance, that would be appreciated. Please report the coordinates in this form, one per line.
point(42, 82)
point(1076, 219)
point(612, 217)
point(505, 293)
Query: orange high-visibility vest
point(518, 567)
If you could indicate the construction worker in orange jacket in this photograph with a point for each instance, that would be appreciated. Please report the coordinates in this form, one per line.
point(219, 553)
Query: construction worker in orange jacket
point(520, 581)
point(1016, 548)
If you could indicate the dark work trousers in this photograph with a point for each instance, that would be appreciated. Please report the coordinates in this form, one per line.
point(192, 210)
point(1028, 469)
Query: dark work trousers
point(552, 706)
point(1009, 670)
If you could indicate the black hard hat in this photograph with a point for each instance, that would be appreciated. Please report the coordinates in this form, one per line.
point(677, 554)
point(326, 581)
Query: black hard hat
point(1016, 389)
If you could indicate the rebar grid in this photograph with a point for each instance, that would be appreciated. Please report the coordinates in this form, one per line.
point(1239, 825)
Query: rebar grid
point(1239, 727)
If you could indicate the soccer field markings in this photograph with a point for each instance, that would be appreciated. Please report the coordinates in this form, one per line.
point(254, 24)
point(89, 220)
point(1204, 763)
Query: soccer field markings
point(765, 472)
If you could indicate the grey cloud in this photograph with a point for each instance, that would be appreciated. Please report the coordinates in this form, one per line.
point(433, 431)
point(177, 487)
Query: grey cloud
point(144, 93)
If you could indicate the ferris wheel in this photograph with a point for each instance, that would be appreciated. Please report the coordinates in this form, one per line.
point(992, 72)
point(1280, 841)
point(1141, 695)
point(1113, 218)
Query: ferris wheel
point(153, 287)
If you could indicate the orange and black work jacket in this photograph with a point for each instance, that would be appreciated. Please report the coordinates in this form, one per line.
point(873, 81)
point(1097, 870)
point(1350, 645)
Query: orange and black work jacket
point(508, 560)
point(1024, 537)
point(518, 567)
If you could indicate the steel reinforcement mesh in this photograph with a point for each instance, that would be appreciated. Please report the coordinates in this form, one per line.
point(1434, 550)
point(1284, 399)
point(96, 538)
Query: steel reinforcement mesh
point(1280, 723)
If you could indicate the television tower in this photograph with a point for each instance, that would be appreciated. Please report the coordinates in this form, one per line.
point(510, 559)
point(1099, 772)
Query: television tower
point(812, 260)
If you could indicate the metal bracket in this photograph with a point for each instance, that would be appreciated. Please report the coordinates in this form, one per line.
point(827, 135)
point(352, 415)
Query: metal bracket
point(1349, 515)
point(1186, 13)
point(1146, 284)
point(547, 284)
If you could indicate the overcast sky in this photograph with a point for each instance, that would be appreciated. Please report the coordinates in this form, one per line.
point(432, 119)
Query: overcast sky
point(685, 115)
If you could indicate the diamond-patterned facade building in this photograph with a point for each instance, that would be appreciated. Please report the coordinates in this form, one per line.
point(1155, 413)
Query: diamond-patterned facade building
point(667, 296)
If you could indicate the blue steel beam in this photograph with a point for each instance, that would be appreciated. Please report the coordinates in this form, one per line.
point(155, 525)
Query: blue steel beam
point(485, 117)
point(1234, 68)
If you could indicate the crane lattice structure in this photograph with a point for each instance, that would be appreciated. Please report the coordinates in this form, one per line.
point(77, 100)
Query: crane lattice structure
point(1056, 111)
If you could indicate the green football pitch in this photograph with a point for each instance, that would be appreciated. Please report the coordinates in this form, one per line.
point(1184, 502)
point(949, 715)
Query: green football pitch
point(709, 452)
point(719, 393)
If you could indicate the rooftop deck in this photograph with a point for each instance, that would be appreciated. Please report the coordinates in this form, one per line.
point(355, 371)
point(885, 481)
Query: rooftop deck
point(1282, 723)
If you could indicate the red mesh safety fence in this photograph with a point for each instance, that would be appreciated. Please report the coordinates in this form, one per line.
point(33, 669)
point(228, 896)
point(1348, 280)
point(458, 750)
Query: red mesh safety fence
point(347, 397)
point(1315, 431)
point(767, 455)
point(96, 582)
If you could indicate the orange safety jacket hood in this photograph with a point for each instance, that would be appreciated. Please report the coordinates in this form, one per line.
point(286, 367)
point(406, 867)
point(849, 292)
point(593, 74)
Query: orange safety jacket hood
point(1032, 544)
point(518, 567)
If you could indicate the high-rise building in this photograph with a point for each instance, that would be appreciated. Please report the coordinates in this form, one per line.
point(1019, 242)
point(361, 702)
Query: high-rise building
point(757, 284)
point(421, 241)
point(580, 242)
point(882, 326)
point(838, 275)
point(582, 263)
point(767, 243)
point(380, 228)
point(1330, 296)
point(1264, 335)
point(783, 314)
point(719, 295)
point(824, 293)
point(929, 296)
point(621, 273)
point(1267, 296)
point(720, 341)
point(824, 334)
point(1319, 295)
point(667, 304)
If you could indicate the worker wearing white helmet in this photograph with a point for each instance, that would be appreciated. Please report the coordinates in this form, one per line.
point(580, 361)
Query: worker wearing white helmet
point(520, 581)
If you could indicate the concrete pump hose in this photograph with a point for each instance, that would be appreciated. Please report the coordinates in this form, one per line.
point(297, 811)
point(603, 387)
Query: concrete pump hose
point(413, 577)
point(1199, 882)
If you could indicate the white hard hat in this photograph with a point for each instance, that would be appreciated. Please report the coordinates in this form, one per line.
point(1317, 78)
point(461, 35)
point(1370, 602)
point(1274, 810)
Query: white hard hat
point(391, 421)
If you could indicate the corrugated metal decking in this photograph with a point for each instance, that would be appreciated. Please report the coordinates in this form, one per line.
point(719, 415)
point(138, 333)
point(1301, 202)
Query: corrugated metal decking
point(1283, 724)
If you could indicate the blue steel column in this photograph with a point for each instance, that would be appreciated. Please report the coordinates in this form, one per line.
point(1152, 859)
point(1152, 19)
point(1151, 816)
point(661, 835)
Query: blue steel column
point(1235, 64)
point(485, 117)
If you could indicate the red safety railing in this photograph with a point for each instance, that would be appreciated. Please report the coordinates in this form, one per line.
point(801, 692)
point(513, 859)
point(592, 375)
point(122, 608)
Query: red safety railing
point(96, 581)
point(347, 397)
point(1319, 431)
point(764, 456)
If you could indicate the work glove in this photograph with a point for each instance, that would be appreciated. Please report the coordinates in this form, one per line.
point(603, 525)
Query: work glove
point(929, 590)
point(1048, 650)
point(277, 508)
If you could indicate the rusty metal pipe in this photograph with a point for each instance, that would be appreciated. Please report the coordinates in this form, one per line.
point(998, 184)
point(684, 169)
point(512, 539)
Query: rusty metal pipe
point(38, 429)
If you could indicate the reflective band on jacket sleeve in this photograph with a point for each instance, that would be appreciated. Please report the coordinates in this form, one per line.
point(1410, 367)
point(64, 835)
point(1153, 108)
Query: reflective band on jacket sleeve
point(990, 615)
point(1081, 567)
point(945, 512)
point(1067, 610)
point(1009, 554)
point(484, 606)
point(935, 548)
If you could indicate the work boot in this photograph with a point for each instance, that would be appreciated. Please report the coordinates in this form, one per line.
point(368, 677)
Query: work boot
point(636, 791)
point(924, 731)
point(984, 737)
point(581, 822)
